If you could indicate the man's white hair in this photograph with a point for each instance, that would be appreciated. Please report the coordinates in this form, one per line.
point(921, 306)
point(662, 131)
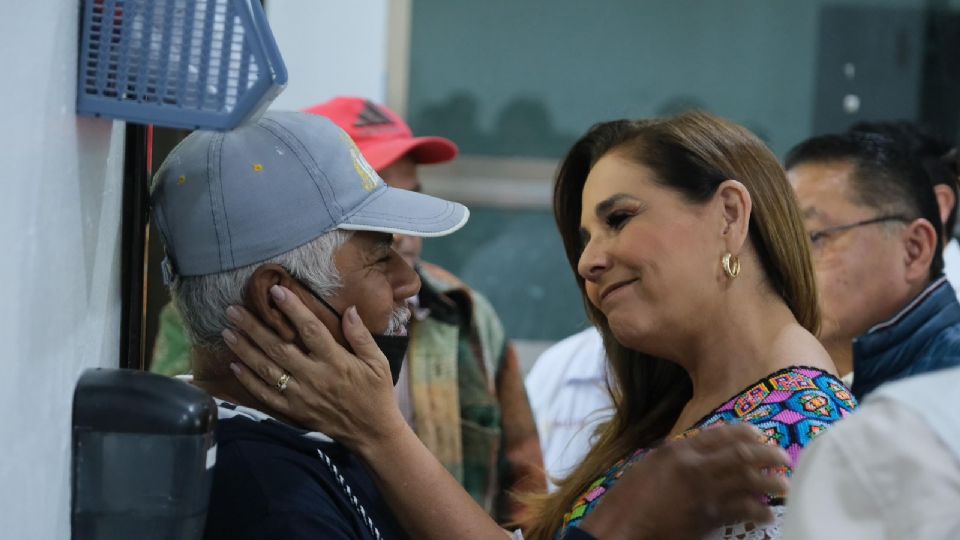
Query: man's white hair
point(202, 300)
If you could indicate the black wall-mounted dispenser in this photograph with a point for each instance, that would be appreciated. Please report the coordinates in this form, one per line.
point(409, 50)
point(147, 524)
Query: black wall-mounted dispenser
point(143, 456)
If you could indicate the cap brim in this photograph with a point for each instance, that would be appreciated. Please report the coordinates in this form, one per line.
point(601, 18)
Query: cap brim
point(398, 211)
point(423, 150)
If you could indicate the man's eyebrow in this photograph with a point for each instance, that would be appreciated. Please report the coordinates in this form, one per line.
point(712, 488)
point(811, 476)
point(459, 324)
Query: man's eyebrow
point(603, 207)
point(382, 245)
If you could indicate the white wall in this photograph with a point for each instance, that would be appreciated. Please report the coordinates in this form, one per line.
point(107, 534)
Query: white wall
point(331, 48)
point(60, 192)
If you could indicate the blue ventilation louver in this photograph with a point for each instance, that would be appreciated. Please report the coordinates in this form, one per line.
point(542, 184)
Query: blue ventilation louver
point(194, 64)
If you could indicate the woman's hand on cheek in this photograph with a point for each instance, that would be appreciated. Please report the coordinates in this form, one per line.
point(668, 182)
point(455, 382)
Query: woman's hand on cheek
point(348, 396)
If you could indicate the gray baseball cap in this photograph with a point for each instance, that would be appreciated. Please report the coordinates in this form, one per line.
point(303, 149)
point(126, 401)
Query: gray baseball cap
point(224, 200)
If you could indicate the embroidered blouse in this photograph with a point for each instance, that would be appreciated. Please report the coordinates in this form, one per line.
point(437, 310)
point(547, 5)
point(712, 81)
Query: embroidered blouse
point(790, 406)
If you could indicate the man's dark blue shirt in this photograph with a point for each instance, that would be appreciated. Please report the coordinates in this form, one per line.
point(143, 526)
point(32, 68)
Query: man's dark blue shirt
point(923, 337)
point(270, 482)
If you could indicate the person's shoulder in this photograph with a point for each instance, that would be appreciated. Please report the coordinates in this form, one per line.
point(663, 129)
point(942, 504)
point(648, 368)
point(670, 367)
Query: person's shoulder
point(939, 383)
point(169, 314)
point(821, 395)
point(942, 351)
point(882, 432)
point(578, 355)
point(268, 486)
point(443, 281)
point(931, 394)
point(948, 339)
point(872, 473)
point(810, 390)
point(441, 278)
point(587, 340)
point(284, 468)
point(792, 406)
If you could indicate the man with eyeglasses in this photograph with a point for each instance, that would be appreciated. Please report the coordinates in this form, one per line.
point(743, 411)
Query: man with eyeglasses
point(888, 310)
point(891, 470)
point(939, 161)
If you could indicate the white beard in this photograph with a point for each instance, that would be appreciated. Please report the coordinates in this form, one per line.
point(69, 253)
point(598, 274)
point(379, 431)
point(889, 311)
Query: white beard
point(398, 322)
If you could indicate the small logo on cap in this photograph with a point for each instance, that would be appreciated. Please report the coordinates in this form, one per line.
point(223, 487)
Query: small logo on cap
point(366, 173)
point(371, 115)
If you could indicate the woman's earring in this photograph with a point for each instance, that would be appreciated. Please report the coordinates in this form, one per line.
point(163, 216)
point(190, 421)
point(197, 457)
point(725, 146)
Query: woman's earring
point(731, 265)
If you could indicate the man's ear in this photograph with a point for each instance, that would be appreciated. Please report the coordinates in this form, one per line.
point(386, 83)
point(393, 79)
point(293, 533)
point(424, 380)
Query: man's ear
point(735, 208)
point(920, 241)
point(946, 200)
point(257, 299)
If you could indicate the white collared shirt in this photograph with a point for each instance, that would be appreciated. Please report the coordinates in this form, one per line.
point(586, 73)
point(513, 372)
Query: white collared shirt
point(568, 396)
point(891, 470)
point(951, 264)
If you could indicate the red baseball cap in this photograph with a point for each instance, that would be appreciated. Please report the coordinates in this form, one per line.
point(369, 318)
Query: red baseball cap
point(382, 136)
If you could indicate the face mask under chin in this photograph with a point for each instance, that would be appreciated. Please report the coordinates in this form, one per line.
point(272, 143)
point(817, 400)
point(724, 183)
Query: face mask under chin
point(395, 349)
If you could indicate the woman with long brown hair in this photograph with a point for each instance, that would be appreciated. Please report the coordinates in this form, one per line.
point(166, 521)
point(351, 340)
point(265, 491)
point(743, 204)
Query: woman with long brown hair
point(689, 250)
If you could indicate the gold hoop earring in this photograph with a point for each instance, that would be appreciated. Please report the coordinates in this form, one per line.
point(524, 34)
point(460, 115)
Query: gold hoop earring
point(731, 265)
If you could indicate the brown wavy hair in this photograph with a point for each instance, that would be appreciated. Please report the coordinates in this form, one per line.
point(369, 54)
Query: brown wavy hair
point(691, 153)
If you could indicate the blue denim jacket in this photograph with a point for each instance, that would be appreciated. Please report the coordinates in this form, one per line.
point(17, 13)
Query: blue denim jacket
point(924, 336)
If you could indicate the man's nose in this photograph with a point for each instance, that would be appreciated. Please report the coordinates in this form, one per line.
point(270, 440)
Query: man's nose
point(406, 282)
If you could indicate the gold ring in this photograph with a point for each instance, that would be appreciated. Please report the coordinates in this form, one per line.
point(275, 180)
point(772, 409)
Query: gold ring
point(283, 381)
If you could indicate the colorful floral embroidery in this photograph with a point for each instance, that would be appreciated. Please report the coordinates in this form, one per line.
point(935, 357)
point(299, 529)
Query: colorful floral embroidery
point(790, 407)
point(751, 398)
point(792, 382)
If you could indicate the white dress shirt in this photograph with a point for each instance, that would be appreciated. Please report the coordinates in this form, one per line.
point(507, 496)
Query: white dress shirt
point(951, 264)
point(568, 395)
point(890, 471)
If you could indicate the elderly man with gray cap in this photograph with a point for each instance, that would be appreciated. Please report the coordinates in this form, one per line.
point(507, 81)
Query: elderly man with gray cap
point(288, 201)
point(461, 389)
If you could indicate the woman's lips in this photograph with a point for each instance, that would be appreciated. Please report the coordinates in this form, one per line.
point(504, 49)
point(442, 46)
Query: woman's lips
point(614, 288)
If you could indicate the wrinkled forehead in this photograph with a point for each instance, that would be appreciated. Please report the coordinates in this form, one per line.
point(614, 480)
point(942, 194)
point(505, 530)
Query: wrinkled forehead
point(367, 244)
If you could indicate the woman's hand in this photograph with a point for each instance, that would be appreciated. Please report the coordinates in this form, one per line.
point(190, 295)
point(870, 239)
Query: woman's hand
point(688, 487)
point(348, 396)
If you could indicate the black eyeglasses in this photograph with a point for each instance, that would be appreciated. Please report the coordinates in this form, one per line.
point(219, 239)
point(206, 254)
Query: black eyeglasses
point(817, 236)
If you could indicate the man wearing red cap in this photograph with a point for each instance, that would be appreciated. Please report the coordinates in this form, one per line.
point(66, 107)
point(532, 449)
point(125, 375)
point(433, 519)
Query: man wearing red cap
point(461, 387)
